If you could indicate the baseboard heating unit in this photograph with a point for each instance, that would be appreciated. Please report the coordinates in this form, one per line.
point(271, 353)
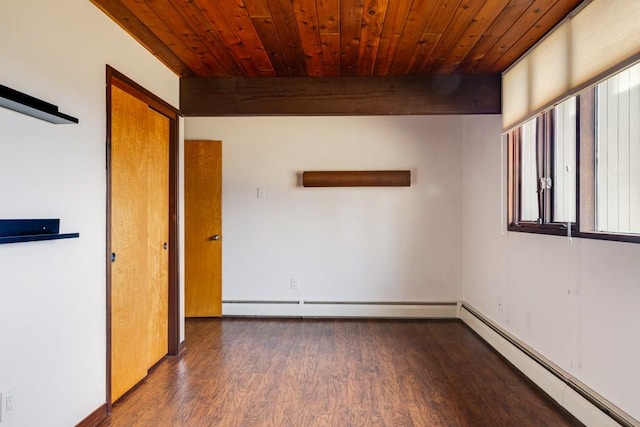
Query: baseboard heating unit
point(585, 404)
point(371, 309)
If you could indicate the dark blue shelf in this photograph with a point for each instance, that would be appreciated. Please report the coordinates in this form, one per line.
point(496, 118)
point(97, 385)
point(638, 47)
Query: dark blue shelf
point(31, 230)
point(36, 237)
point(34, 107)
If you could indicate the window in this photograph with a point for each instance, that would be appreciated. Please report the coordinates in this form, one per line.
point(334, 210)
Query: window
point(565, 162)
point(542, 171)
point(593, 191)
point(617, 153)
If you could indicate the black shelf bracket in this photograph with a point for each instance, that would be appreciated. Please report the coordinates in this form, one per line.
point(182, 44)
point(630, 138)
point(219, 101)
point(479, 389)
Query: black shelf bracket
point(31, 230)
point(34, 107)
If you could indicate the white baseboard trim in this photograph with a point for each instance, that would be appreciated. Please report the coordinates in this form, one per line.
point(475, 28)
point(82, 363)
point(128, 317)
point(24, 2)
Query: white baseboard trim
point(585, 404)
point(314, 309)
point(261, 308)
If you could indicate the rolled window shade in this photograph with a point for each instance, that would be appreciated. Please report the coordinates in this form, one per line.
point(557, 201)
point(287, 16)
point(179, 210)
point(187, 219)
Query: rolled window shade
point(580, 51)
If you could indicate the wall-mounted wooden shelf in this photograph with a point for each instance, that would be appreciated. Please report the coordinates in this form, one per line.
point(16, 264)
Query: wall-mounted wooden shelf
point(31, 230)
point(395, 178)
point(34, 107)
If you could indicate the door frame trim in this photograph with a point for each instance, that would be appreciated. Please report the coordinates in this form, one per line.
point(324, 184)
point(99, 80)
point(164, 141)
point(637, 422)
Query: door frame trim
point(115, 78)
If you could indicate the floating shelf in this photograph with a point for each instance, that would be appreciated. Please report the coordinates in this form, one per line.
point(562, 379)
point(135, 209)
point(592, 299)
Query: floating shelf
point(31, 230)
point(34, 107)
point(397, 178)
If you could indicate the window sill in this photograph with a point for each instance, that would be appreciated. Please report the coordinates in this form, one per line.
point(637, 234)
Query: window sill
point(561, 230)
point(549, 229)
point(597, 235)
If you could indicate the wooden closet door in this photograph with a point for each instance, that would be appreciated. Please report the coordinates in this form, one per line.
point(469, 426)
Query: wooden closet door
point(158, 234)
point(139, 229)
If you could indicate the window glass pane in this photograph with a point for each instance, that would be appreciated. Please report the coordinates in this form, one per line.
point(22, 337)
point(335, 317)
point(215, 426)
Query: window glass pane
point(618, 153)
point(564, 174)
point(528, 173)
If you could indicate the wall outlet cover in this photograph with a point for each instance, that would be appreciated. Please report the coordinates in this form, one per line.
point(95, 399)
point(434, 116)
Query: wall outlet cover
point(9, 403)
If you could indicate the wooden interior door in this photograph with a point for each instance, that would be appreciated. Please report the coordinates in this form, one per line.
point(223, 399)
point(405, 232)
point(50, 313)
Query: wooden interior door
point(139, 232)
point(203, 228)
point(158, 233)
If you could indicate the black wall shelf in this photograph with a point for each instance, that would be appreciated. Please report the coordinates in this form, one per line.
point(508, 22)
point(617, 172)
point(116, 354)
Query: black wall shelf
point(31, 230)
point(34, 107)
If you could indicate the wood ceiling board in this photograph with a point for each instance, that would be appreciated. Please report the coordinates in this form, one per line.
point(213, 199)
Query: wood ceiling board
point(187, 21)
point(424, 49)
point(266, 29)
point(240, 21)
point(350, 23)
point(151, 20)
point(503, 22)
point(433, 32)
point(329, 27)
point(129, 22)
point(521, 26)
point(218, 40)
point(306, 18)
point(374, 13)
point(480, 24)
point(285, 23)
point(256, 8)
point(283, 38)
point(397, 14)
point(328, 16)
point(331, 54)
point(539, 30)
point(463, 17)
point(213, 24)
point(419, 14)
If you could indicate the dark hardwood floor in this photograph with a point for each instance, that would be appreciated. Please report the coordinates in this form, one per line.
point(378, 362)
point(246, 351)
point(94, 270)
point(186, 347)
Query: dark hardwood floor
point(256, 372)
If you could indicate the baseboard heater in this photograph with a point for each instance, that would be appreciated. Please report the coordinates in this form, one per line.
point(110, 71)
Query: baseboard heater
point(341, 309)
point(585, 404)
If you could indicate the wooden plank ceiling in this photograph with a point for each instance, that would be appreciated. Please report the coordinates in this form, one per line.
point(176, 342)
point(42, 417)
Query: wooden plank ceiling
point(336, 38)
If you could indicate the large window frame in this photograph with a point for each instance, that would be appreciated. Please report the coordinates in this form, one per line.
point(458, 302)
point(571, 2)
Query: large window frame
point(586, 174)
point(545, 143)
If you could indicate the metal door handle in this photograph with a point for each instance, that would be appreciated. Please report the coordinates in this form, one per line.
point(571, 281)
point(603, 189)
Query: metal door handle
point(165, 246)
point(215, 237)
point(113, 257)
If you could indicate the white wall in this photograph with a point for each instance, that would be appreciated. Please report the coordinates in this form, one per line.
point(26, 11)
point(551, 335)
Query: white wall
point(52, 294)
point(575, 302)
point(341, 244)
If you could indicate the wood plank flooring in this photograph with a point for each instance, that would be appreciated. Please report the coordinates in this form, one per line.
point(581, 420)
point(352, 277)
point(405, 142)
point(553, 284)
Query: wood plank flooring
point(257, 372)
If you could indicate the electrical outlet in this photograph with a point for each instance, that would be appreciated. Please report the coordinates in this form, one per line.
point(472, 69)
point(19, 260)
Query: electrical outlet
point(9, 403)
point(294, 284)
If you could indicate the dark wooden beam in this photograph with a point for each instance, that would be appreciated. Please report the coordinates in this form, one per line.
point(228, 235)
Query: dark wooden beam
point(436, 94)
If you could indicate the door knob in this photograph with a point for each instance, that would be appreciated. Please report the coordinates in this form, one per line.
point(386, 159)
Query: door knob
point(215, 237)
point(165, 246)
point(113, 257)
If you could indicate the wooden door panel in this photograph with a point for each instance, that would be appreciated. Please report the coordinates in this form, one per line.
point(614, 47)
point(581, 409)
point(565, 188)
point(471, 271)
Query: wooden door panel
point(129, 311)
point(139, 228)
point(158, 233)
point(203, 220)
